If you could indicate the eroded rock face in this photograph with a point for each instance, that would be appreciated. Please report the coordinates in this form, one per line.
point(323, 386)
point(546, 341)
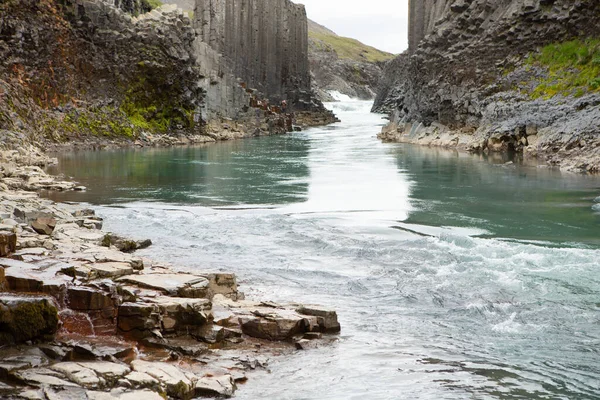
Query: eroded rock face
point(465, 83)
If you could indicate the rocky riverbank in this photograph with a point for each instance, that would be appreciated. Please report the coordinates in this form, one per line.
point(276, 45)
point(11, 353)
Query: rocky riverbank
point(81, 316)
point(515, 76)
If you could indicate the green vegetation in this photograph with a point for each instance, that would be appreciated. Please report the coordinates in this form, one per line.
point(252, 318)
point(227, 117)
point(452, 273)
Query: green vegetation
point(153, 104)
point(151, 4)
point(347, 48)
point(573, 68)
point(96, 121)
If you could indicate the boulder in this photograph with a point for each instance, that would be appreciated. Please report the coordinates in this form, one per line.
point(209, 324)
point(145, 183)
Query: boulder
point(8, 243)
point(44, 225)
point(326, 318)
point(273, 327)
point(215, 386)
point(25, 318)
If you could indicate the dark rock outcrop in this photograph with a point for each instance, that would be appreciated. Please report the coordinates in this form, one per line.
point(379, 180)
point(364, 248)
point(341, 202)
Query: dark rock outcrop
point(468, 80)
point(343, 65)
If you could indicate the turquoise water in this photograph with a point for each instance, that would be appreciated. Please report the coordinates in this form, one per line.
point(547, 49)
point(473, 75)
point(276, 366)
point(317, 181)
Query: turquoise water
point(455, 276)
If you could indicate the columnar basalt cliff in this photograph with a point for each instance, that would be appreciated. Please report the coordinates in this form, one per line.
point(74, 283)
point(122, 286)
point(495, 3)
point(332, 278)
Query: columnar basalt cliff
point(264, 42)
point(510, 75)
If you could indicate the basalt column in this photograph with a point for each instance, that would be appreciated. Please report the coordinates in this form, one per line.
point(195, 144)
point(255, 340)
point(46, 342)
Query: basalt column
point(423, 15)
point(264, 43)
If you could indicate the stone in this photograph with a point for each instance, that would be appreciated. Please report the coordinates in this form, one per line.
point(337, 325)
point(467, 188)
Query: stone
point(24, 318)
point(87, 299)
point(142, 380)
point(327, 318)
point(275, 327)
point(111, 269)
point(219, 386)
point(8, 243)
point(184, 285)
point(44, 226)
point(93, 374)
point(42, 377)
point(178, 384)
point(139, 319)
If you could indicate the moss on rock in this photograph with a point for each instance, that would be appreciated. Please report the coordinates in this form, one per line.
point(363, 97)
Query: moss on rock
point(27, 318)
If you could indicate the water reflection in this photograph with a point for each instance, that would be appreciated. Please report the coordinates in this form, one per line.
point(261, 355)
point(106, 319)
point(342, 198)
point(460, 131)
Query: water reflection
point(259, 171)
point(501, 200)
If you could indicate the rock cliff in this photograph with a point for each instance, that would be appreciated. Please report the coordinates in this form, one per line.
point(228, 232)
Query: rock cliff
point(342, 64)
point(509, 75)
point(113, 71)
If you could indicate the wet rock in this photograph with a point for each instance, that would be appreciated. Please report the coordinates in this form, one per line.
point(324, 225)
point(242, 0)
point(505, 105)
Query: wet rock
point(89, 299)
point(3, 283)
point(221, 386)
point(139, 319)
point(13, 359)
point(8, 243)
point(91, 375)
point(327, 319)
point(25, 318)
point(123, 244)
point(178, 384)
point(44, 225)
point(183, 285)
point(44, 377)
point(98, 305)
point(273, 327)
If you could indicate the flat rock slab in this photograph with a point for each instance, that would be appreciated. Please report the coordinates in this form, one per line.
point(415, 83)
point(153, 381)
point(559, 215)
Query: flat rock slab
point(178, 383)
point(183, 285)
point(111, 269)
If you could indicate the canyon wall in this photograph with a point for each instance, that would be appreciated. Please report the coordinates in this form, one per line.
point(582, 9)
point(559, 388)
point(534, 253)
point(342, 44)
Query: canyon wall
point(264, 43)
point(423, 14)
point(475, 78)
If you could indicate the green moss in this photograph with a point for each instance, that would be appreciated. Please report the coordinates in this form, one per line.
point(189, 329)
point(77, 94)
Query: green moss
point(100, 121)
point(31, 320)
point(106, 240)
point(347, 48)
point(573, 68)
point(152, 103)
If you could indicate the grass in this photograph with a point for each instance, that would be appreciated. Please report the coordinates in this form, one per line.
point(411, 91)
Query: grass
point(573, 68)
point(351, 49)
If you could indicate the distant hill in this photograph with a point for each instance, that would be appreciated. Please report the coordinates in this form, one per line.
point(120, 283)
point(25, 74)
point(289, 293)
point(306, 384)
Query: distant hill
point(346, 48)
point(343, 64)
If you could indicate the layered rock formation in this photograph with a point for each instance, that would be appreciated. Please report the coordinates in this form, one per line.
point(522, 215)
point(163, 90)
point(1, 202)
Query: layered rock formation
point(80, 318)
point(473, 79)
point(343, 65)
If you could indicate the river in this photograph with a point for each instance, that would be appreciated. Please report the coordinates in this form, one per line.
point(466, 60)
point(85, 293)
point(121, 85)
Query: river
point(455, 276)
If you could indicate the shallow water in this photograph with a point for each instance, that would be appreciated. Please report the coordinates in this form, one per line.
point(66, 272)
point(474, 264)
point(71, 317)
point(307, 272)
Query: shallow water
point(455, 276)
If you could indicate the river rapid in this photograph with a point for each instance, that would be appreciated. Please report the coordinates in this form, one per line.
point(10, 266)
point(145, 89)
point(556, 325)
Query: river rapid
point(455, 276)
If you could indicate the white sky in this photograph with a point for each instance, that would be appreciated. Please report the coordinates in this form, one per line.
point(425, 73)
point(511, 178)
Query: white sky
point(379, 23)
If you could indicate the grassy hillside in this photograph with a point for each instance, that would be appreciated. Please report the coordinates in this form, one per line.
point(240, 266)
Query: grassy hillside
point(322, 39)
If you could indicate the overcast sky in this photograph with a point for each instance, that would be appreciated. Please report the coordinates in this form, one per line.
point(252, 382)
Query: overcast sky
point(379, 23)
